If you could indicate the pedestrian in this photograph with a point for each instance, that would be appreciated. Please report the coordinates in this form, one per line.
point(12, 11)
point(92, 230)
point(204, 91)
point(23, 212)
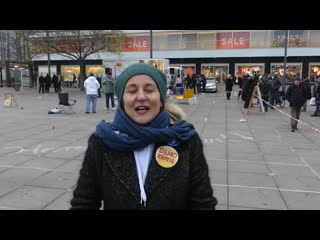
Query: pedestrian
point(247, 89)
point(274, 92)
point(240, 82)
point(91, 85)
point(55, 82)
point(47, 81)
point(148, 157)
point(108, 89)
point(265, 87)
point(41, 83)
point(296, 96)
point(99, 81)
point(229, 84)
point(203, 83)
point(316, 94)
point(307, 86)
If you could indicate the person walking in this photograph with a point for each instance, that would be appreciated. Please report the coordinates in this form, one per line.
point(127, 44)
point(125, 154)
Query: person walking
point(91, 85)
point(296, 96)
point(229, 84)
point(265, 88)
point(307, 87)
point(108, 89)
point(316, 94)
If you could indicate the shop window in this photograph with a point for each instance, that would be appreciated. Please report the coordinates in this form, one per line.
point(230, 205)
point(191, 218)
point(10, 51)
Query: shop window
point(160, 42)
point(314, 38)
point(314, 71)
point(208, 71)
point(260, 39)
point(297, 38)
point(278, 39)
point(206, 41)
point(190, 41)
point(174, 42)
point(188, 70)
point(242, 69)
point(292, 70)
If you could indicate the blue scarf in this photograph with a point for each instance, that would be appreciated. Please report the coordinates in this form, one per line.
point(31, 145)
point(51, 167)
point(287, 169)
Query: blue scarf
point(133, 136)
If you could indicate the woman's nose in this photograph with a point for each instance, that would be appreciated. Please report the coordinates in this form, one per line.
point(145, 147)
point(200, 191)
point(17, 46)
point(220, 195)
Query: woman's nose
point(141, 95)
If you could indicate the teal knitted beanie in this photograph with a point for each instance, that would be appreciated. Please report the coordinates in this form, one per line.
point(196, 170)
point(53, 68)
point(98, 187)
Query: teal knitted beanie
point(138, 69)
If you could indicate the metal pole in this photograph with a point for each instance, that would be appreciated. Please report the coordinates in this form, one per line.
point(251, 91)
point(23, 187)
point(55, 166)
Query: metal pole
point(150, 43)
point(49, 68)
point(21, 76)
point(284, 80)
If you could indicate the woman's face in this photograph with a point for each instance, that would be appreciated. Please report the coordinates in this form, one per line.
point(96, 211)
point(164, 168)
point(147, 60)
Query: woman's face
point(141, 99)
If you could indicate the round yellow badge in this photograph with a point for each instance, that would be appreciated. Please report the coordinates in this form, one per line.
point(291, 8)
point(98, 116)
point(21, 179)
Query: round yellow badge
point(167, 156)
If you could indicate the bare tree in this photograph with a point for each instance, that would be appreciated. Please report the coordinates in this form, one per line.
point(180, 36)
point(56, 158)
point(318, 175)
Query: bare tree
point(78, 44)
point(15, 45)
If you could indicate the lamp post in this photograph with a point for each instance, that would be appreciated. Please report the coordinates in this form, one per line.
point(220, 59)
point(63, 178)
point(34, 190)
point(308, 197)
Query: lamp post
point(49, 68)
point(284, 80)
point(150, 43)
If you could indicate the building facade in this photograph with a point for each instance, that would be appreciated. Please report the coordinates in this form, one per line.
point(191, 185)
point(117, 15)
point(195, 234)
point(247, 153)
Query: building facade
point(214, 53)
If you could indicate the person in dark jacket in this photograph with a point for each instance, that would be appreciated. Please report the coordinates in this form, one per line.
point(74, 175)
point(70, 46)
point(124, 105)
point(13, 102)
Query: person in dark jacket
point(55, 82)
point(274, 92)
point(148, 157)
point(247, 89)
point(240, 82)
point(47, 81)
point(296, 95)
point(307, 87)
point(41, 83)
point(316, 94)
point(229, 84)
point(204, 83)
point(265, 87)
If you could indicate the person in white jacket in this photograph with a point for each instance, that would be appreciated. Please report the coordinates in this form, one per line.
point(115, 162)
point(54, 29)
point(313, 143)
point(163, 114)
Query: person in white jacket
point(91, 85)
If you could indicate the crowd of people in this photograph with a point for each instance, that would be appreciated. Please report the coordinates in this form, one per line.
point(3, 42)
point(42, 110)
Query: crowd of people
point(273, 92)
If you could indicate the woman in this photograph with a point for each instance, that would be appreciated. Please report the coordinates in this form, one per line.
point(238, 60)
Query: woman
point(142, 160)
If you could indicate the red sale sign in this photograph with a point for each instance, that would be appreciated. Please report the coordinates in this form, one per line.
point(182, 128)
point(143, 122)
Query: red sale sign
point(138, 43)
point(231, 40)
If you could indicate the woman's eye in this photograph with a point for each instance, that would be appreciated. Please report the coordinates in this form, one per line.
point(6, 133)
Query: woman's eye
point(149, 90)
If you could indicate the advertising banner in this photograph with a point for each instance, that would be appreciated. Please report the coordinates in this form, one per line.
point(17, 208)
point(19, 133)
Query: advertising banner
point(138, 43)
point(233, 40)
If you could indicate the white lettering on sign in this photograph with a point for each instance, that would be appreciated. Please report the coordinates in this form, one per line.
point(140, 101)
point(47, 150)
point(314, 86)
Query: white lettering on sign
point(230, 41)
point(137, 44)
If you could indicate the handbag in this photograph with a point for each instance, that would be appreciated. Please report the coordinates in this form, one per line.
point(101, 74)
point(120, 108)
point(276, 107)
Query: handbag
point(312, 101)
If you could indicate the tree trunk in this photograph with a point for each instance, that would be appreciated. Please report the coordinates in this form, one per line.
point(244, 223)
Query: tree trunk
point(82, 73)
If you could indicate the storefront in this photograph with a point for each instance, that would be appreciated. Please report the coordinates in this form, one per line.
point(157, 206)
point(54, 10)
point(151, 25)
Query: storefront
point(19, 75)
point(187, 68)
point(218, 71)
point(293, 69)
point(44, 70)
point(242, 68)
point(68, 71)
point(314, 71)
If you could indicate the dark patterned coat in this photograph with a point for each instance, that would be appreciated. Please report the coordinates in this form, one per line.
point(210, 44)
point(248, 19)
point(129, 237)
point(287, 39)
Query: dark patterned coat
point(111, 176)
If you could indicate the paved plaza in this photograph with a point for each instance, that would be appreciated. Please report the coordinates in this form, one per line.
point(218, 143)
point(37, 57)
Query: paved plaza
point(255, 161)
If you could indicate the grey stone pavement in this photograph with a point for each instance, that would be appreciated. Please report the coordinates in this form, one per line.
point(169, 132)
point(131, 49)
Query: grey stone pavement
point(255, 161)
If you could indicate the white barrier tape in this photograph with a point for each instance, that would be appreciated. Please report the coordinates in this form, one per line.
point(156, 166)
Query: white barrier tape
point(298, 120)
